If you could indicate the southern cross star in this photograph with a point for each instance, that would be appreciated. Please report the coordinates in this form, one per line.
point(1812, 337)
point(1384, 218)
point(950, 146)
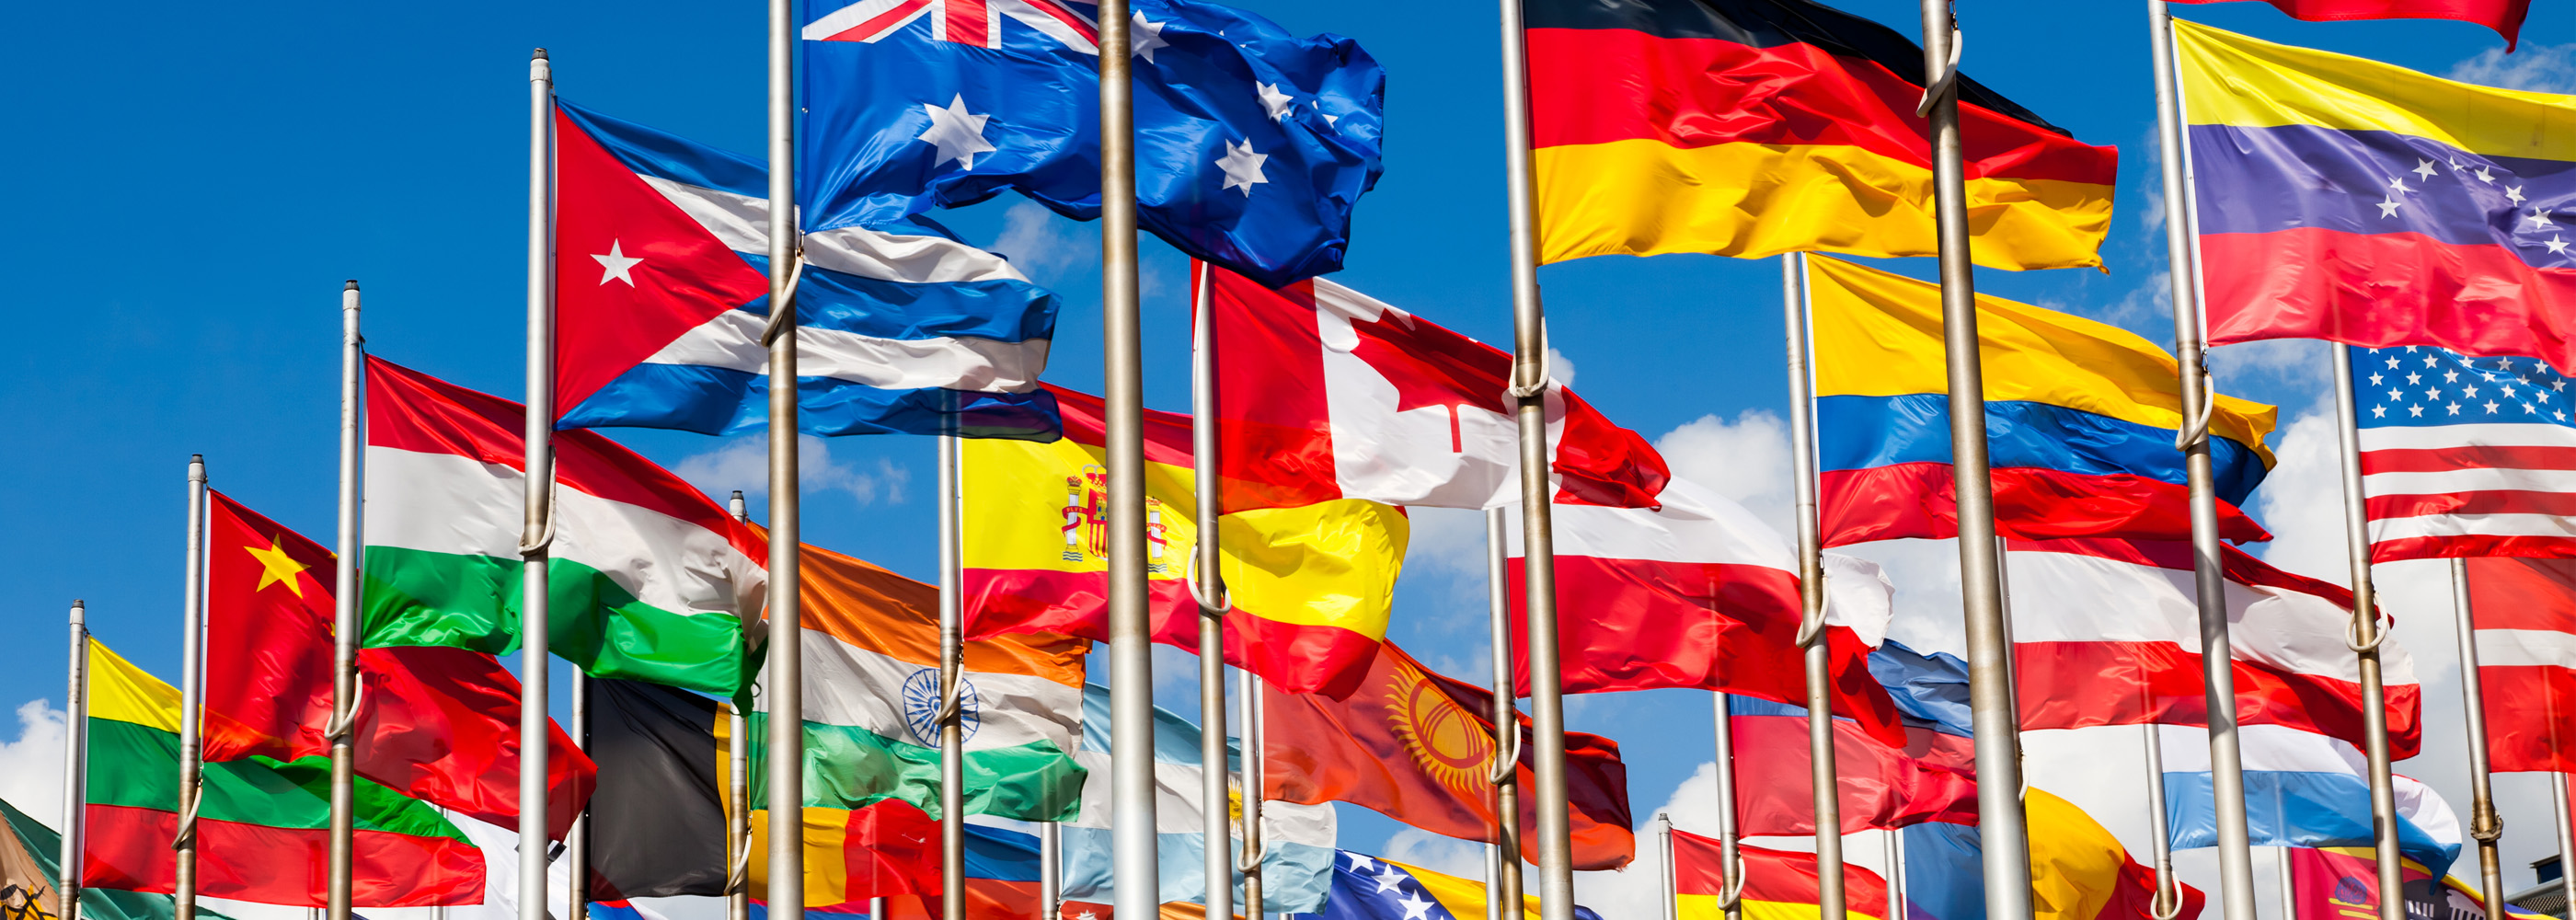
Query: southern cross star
point(958, 134)
point(1274, 102)
point(1242, 167)
point(1143, 37)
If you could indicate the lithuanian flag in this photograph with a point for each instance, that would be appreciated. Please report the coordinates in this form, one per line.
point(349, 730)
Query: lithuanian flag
point(1750, 128)
point(263, 826)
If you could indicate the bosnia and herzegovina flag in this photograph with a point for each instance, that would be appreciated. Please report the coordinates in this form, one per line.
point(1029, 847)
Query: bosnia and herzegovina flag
point(1368, 888)
point(2346, 199)
point(2080, 421)
point(1750, 128)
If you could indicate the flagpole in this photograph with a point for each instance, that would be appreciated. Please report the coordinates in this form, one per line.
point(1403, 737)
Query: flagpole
point(1131, 662)
point(1256, 732)
point(1724, 771)
point(2160, 833)
point(1050, 872)
point(1824, 785)
point(1894, 844)
point(577, 838)
point(786, 741)
point(738, 785)
point(76, 761)
point(2289, 886)
point(2485, 826)
point(952, 681)
point(1505, 774)
point(344, 612)
point(192, 692)
point(2566, 838)
point(1208, 585)
point(1493, 907)
point(1998, 733)
point(1665, 890)
point(537, 522)
point(2364, 637)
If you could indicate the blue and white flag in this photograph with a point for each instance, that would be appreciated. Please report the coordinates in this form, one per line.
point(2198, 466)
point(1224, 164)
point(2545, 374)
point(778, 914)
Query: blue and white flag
point(2301, 790)
point(1252, 145)
point(1297, 840)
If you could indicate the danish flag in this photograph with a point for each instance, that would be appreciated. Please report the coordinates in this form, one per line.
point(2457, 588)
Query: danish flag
point(966, 22)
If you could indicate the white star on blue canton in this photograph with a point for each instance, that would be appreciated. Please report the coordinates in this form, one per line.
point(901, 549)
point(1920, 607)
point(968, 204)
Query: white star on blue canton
point(2432, 394)
point(2392, 364)
point(2418, 378)
point(2470, 391)
point(2417, 410)
point(2379, 412)
point(2393, 394)
point(2454, 407)
point(2451, 376)
point(2491, 407)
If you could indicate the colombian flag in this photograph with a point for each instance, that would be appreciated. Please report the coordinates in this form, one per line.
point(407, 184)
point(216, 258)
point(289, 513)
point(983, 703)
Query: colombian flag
point(1311, 585)
point(1750, 128)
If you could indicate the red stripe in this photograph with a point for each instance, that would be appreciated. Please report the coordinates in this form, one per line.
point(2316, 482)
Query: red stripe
point(2500, 501)
point(1275, 440)
point(1590, 86)
point(2467, 457)
point(1297, 658)
point(869, 29)
point(1086, 422)
point(966, 21)
point(1773, 876)
point(2387, 289)
point(129, 849)
point(2507, 593)
point(2471, 546)
point(2083, 684)
point(1932, 778)
point(1919, 501)
point(2531, 718)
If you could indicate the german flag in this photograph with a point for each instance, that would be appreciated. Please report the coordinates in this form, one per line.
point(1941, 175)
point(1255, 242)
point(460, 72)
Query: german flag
point(1750, 128)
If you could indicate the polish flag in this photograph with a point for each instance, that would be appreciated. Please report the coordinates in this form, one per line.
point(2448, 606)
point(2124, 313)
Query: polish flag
point(2525, 614)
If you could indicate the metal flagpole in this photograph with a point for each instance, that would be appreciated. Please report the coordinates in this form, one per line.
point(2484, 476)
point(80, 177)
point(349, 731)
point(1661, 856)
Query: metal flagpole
point(786, 741)
point(2485, 825)
point(1894, 844)
point(537, 523)
point(2199, 397)
point(2364, 637)
point(192, 693)
point(1811, 595)
point(1131, 662)
point(1493, 862)
point(952, 688)
point(577, 839)
point(1207, 584)
point(344, 612)
point(76, 761)
point(2289, 886)
point(1538, 527)
point(876, 908)
point(1256, 846)
point(2566, 839)
point(1505, 774)
point(1732, 860)
point(1998, 734)
point(2167, 902)
point(1050, 872)
point(1667, 890)
point(738, 788)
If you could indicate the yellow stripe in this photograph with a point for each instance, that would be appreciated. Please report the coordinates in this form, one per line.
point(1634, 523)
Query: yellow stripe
point(1642, 197)
point(1765, 910)
point(1879, 334)
point(2231, 79)
point(2074, 863)
point(827, 872)
point(1331, 563)
point(1464, 899)
point(121, 692)
point(1016, 493)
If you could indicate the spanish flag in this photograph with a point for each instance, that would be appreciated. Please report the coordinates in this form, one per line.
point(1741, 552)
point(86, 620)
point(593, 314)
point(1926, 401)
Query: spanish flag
point(1778, 884)
point(1750, 128)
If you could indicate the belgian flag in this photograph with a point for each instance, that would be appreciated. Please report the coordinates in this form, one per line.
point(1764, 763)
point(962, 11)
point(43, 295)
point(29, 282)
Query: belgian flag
point(1751, 128)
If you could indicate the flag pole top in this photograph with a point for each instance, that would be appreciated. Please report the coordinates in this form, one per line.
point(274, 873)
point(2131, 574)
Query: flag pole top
point(79, 608)
point(538, 55)
point(196, 458)
point(351, 286)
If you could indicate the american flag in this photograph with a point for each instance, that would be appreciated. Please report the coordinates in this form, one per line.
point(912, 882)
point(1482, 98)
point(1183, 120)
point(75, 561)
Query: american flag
point(2464, 456)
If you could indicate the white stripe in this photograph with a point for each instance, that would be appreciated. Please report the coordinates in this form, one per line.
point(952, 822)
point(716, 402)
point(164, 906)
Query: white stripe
point(446, 503)
point(2066, 597)
point(2264, 747)
point(732, 341)
point(864, 689)
point(849, 17)
point(2483, 479)
point(2403, 437)
point(2526, 648)
point(2453, 525)
point(1858, 595)
point(1695, 525)
point(742, 222)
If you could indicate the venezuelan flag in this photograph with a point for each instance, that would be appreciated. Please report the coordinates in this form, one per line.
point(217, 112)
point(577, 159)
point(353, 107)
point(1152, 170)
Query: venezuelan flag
point(1750, 128)
point(2080, 421)
point(2346, 199)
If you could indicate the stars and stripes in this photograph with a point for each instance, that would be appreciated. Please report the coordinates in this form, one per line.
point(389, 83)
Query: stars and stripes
point(2465, 456)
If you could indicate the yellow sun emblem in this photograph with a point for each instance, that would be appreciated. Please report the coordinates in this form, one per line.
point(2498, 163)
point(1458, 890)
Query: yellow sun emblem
point(1441, 737)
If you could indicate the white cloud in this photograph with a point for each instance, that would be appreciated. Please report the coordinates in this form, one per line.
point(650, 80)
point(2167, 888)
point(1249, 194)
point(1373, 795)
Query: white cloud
point(1040, 243)
point(743, 464)
point(2302, 502)
point(1746, 460)
point(1559, 367)
point(2537, 68)
point(2297, 364)
point(31, 768)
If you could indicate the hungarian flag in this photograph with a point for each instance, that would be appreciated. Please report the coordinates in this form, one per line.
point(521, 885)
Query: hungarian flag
point(1311, 585)
point(1777, 883)
point(2504, 16)
point(1750, 128)
point(437, 724)
point(263, 825)
point(1415, 746)
point(648, 578)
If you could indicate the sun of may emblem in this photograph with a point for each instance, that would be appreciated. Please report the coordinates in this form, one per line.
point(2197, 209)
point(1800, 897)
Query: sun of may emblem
point(921, 706)
point(1442, 738)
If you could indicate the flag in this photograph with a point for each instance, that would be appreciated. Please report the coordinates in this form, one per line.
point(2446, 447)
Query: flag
point(871, 665)
point(1323, 392)
point(648, 578)
point(657, 824)
point(2344, 882)
point(2525, 612)
point(2345, 199)
point(1002, 869)
point(436, 724)
point(1778, 884)
point(2464, 456)
point(2504, 16)
point(1368, 888)
point(1931, 777)
point(2301, 790)
point(2078, 871)
point(1251, 145)
point(36, 871)
point(1297, 839)
point(1311, 586)
point(2116, 641)
point(662, 293)
point(263, 826)
point(1416, 746)
point(2080, 421)
point(1751, 128)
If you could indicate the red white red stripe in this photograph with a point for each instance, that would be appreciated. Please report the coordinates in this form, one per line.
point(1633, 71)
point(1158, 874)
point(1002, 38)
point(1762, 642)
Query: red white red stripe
point(2524, 611)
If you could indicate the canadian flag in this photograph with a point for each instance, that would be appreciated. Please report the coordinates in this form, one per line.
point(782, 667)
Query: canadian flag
point(1324, 392)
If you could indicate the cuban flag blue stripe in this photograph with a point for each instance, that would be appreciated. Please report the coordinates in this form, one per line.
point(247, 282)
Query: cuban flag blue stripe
point(884, 308)
point(1867, 432)
point(662, 156)
point(717, 400)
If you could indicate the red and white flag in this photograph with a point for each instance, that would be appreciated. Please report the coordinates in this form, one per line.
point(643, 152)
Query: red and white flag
point(2107, 632)
point(1327, 393)
point(2524, 611)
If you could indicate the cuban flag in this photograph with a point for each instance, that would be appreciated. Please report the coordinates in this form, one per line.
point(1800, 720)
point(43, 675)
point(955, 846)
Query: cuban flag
point(662, 293)
point(1252, 145)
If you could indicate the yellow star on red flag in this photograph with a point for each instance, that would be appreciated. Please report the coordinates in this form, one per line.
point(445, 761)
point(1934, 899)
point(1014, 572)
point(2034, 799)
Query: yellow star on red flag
point(276, 566)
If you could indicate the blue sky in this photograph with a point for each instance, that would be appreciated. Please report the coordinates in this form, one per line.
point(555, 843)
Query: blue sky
point(198, 179)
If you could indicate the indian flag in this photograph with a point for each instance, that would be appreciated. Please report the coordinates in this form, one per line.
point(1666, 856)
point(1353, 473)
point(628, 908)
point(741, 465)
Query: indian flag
point(649, 579)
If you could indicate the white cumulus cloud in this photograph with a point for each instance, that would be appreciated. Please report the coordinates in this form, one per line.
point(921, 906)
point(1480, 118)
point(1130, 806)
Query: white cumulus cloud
point(31, 768)
point(743, 464)
point(2537, 68)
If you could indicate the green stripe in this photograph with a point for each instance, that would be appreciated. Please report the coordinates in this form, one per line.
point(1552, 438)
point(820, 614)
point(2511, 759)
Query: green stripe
point(416, 597)
point(138, 766)
point(850, 768)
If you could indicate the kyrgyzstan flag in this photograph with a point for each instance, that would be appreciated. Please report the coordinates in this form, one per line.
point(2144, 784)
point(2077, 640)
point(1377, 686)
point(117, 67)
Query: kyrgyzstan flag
point(1417, 746)
point(436, 724)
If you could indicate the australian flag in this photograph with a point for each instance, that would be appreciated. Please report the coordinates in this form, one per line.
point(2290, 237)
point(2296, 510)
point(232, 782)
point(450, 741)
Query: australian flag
point(1252, 145)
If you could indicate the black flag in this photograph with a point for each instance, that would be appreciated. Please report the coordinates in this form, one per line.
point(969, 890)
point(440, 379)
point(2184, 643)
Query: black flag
point(657, 823)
